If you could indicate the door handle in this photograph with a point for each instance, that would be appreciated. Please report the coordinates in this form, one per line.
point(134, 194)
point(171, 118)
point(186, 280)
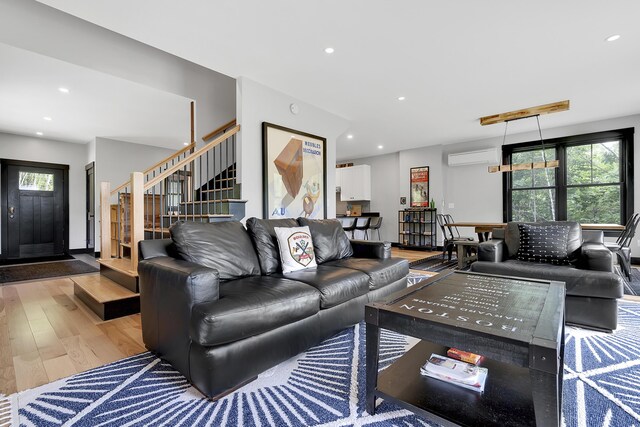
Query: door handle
point(12, 211)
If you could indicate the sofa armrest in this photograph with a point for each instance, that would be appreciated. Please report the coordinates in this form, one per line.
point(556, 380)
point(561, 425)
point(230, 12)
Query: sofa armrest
point(368, 249)
point(595, 256)
point(592, 236)
point(493, 250)
point(169, 288)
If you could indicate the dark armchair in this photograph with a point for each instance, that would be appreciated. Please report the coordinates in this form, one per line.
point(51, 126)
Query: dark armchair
point(592, 288)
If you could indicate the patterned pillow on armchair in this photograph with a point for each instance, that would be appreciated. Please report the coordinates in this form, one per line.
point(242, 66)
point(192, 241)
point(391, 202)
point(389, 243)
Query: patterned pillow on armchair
point(545, 243)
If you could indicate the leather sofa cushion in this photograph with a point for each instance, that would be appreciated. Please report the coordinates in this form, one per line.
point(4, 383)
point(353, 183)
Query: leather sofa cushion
point(578, 282)
point(574, 240)
point(250, 306)
point(381, 272)
point(336, 285)
point(329, 239)
point(266, 243)
point(224, 246)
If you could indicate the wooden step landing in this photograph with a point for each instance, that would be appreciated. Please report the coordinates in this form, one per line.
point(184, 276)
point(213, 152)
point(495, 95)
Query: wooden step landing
point(119, 264)
point(119, 270)
point(105, 297)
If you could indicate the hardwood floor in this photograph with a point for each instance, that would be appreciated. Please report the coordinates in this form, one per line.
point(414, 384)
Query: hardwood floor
point(46, 334)
point(411, 255)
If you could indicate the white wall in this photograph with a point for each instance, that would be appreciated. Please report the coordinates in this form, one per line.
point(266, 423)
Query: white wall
point(79, 42)
point(476, 195)
point(256, 104)
point(115, 160)
point(18, 147)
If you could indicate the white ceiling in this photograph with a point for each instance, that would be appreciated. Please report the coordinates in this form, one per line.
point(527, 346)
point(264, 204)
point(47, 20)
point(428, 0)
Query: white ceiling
point(454, 61)
point(97, 104)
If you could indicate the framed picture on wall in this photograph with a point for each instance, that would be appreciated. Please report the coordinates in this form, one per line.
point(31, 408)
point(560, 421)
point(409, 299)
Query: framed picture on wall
point(419, 178)
point(294, 173)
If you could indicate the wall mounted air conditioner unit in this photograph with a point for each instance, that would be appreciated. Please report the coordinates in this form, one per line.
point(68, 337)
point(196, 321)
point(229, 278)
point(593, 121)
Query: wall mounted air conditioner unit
point(490, 155)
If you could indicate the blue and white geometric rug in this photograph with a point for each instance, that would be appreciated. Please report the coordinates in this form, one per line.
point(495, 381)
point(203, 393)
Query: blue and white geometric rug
point(323, 386)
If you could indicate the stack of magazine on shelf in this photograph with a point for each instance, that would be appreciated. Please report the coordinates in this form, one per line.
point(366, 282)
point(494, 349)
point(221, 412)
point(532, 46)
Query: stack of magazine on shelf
point(455, 372)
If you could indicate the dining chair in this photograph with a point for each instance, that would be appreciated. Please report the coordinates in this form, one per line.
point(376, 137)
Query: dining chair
point(622, 245)
point(348, 225)
point(362, 224)
point(375, 224)
point(451, 235)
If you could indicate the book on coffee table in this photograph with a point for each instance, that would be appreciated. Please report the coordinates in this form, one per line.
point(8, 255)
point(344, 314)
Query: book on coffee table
point(465, 356)
point(455, 372)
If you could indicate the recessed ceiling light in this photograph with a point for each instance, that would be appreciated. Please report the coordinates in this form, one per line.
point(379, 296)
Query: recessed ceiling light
point(39, 133)
point(185, 143)
point(47, 118)
point(349, 136)
point(613, 38)
point(380, 147)
point(329, 50)
point(63, 89)
point(401, 98)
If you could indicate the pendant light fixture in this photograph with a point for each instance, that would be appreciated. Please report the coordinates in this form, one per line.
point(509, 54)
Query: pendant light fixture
point(523, 114)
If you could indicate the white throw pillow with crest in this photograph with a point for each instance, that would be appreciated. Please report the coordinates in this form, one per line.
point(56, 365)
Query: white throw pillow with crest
point(296, 248)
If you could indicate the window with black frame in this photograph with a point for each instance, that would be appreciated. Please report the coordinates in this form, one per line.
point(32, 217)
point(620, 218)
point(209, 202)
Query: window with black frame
point(594, 183)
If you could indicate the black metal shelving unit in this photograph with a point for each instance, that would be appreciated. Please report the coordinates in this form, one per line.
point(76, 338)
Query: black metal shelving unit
point(417, 229)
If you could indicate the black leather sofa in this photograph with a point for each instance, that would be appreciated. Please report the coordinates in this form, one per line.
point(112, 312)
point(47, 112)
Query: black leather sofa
point(221, 327)
point(592, 288)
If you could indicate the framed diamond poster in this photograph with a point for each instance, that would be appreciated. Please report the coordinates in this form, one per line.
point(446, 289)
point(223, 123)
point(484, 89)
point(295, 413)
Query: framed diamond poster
point(294, 173)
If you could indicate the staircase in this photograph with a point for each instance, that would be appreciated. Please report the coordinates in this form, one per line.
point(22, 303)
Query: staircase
point(190, 185)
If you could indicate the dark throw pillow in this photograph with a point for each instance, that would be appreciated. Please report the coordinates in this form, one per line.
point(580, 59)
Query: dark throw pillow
point(543, 244)
point(225, 246)
point(329, 239)
point(264, 239)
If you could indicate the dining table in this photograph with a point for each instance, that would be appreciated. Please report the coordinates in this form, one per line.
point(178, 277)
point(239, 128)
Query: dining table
point(484, 229)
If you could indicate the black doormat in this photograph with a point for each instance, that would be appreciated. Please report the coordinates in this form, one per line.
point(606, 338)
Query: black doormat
point(34, 260)
point(436, 264)
point(43, 270)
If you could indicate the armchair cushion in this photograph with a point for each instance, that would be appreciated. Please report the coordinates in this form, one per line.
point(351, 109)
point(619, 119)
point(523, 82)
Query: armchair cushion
point(329, 240)
point(544, 243)
point(223, 246)
point(599, 284)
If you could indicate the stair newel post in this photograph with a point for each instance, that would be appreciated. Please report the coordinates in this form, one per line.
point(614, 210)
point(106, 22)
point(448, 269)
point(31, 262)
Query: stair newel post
point(105, 220)
point(137, 216)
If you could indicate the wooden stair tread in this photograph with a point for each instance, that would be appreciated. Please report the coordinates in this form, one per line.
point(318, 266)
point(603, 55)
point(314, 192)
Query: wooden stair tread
point(157, 230)
point(121, 265)
point(203, 202)
point(213, 190)
point(198, 216)
point(102, 289)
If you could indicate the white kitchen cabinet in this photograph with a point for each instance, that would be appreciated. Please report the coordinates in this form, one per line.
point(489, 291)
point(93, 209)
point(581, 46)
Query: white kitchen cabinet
point(355, 183)
point(338, 179)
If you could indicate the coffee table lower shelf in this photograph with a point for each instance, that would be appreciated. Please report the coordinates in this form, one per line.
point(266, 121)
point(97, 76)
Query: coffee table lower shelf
point(506, 400)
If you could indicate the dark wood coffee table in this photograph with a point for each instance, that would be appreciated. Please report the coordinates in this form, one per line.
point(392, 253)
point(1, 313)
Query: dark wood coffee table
point(516, 324)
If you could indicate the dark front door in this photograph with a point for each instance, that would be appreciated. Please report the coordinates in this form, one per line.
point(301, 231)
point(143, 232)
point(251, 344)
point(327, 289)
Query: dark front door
point(35, 209)
point(91, 191)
